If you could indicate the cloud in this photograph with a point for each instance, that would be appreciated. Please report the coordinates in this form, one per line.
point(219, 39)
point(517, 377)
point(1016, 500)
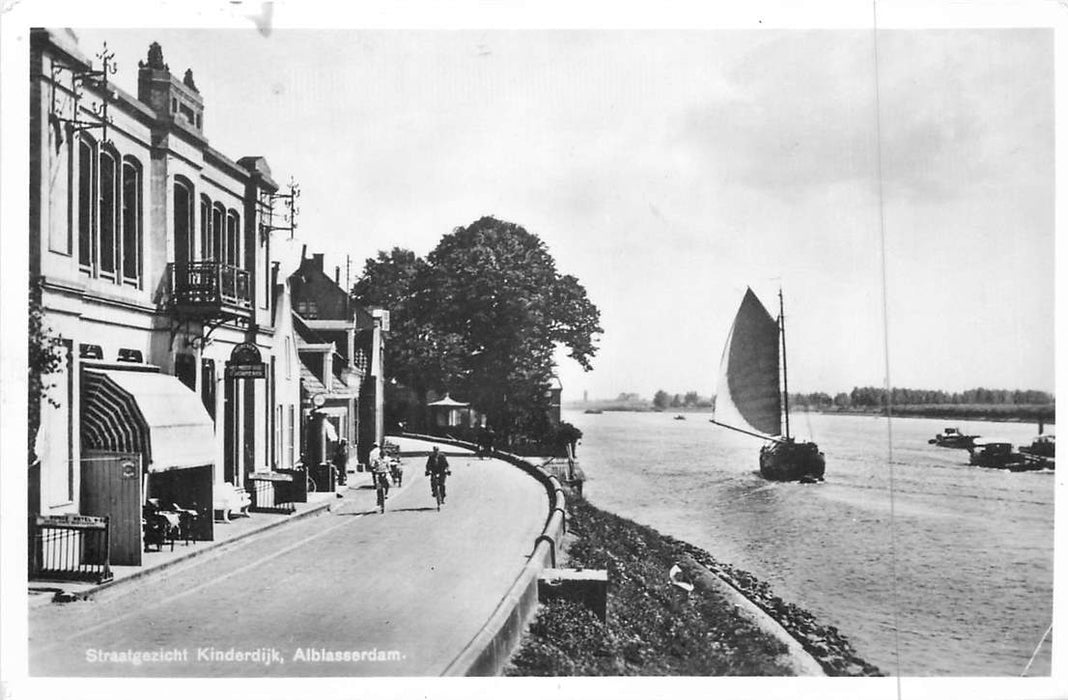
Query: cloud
point(957, 110)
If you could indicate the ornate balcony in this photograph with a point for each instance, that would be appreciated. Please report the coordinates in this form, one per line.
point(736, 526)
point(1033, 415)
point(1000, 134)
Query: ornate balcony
point(210, 290)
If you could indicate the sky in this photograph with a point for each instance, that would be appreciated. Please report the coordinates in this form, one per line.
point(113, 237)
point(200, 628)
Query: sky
point(670, 169)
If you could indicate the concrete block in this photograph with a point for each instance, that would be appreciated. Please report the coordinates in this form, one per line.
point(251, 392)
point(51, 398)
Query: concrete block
point(586, 586)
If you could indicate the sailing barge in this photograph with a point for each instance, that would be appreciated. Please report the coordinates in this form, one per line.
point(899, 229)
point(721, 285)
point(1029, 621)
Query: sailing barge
point(749, 399)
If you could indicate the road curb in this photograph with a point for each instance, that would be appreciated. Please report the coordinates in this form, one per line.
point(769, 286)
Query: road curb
point(140, 576)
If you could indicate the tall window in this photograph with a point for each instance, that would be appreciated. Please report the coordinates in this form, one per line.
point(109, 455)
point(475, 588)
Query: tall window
point(218, 222)
point(205, 228)
point(131, 221)
point(290, 438)
point(183, 221)
point(109, 214)
point(233, 247)
point(86, 200)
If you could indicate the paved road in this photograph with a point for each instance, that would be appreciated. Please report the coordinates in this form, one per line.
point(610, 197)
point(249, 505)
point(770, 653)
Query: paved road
point(402, 592)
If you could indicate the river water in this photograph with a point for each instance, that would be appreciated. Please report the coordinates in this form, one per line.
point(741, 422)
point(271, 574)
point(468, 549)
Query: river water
point(964, 576)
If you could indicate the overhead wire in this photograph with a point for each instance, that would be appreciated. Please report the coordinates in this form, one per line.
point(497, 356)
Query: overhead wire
point(886, 346)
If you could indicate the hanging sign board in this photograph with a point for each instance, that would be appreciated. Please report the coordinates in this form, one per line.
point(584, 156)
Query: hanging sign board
point(245, 363)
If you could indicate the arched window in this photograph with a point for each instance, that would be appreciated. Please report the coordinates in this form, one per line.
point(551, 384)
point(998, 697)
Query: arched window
point(218, 232)
point(183, 220)
point(109, 212)
point(132, 234)
point(206, 246)
point(233, 238)
point(87, 187)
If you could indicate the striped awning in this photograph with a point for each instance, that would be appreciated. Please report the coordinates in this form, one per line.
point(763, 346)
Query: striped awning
point(146, 412)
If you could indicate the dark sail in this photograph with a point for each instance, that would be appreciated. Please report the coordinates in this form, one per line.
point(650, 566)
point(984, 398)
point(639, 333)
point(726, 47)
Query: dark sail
point(751, 369)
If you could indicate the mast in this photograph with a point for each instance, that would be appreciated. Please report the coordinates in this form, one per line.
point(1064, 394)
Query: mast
point(785, 386)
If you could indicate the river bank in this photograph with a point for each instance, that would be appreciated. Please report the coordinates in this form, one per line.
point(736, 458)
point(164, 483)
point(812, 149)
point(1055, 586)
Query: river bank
point(657, 628)
point(980, 412)
point(999, 413)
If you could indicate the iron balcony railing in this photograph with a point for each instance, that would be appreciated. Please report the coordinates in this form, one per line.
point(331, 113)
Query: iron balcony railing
point(211, 286)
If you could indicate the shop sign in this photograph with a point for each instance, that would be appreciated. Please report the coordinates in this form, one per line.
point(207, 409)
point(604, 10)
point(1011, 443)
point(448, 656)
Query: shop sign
point(245, 363)
point(72, 520)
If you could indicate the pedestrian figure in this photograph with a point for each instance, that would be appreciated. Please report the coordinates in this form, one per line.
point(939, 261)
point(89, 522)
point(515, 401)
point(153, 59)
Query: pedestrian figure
point(341, 461)
point(437, 468)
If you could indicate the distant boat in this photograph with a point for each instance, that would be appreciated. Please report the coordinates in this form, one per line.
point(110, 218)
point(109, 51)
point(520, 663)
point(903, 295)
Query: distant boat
point(679, 416)
point(952, 437)
point(1042, 451)
point(1042, 446)
point(1000, 455)
point(749, 393)
point(594, 411)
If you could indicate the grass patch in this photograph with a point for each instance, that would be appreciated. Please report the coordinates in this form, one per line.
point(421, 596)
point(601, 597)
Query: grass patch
point(653, 628)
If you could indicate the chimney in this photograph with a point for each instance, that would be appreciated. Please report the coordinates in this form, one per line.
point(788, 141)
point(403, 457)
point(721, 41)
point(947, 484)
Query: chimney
point(337, 275)
point(173, 100)
point(317, 262)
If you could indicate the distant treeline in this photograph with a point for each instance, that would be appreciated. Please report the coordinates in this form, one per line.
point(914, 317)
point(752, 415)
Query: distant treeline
point(876, 397)
point(691, 399)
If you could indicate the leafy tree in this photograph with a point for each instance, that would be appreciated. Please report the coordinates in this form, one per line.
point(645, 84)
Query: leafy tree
point(676, 401)
point(690, 399)
point(415, 351)
point(661, 399)
point(481, 317)
point(43, 360)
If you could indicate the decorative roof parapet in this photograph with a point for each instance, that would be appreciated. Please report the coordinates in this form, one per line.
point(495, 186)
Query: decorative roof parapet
point(155, 58)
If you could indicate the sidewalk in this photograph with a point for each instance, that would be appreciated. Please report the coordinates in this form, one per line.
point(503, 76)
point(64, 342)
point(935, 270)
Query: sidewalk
point(358, 491)
point(240, 527)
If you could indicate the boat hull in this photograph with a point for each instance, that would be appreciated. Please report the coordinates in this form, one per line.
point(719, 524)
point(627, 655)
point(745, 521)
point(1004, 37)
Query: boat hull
point(960, 442)
point(792, 461)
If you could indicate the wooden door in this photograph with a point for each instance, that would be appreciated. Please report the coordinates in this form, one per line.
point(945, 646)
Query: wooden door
point(111, 486)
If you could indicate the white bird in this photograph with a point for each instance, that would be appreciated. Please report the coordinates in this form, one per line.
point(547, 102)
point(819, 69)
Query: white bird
point(673, 575)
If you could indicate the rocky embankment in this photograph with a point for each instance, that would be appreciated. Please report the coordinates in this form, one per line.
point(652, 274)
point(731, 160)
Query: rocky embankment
point(824, 642)
point(654, 627)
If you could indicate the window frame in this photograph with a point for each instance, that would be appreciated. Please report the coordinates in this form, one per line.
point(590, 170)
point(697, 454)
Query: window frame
point(131, 216)
point(189, 222)
point(88, 179)
point(233, 235)
point(108, 208)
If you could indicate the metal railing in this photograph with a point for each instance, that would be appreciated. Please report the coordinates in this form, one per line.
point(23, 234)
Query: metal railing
point(69, 548)
point(210, 283)
point(271, 492)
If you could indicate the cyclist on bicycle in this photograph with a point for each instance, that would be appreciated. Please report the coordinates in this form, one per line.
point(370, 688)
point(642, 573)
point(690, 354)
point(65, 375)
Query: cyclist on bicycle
point(437, 467)
point(379, 469)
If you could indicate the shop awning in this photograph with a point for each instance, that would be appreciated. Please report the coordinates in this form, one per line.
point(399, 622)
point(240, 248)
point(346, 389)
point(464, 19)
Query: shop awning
point(146, 412)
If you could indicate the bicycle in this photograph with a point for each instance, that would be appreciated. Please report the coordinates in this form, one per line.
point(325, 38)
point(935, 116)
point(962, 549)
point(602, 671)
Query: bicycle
point(380, 491)
point(437, 487)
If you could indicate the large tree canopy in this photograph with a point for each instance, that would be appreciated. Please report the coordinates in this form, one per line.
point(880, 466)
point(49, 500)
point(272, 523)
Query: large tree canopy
point(481, 317)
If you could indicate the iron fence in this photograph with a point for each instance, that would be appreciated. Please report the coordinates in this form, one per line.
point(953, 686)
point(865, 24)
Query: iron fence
point(69, 548)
